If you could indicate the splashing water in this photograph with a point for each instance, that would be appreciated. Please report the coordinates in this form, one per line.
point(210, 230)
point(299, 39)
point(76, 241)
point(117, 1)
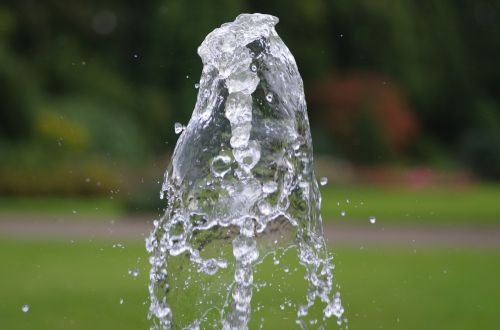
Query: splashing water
point(241, 188)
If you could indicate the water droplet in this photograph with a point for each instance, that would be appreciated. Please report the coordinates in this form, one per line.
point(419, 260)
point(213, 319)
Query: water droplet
point(118, 245)
point(74, 212)
point(121, 301)
point(253, 67)
point(25, 308)
point(87, 180)
point(323, 180)
point(187, 76)
point(197, 85)
point(136, 56)
point(178, 128)
point(342, 213)
point(269, 97)
point(372, 219)
point(134, 272)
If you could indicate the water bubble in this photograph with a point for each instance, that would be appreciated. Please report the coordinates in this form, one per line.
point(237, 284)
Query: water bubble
point(245, 249)
point(136, 56)
point(187, 76)
point(253, 67)
point(247, 158)
point(372, 219)
point(197, 85)
point(265, 208)
point(121, 301)
point(342, 213)
point(298, 142)
point(269, 97)
point(74, 211)
point(269, 187)
point(221, 165)
point(178, 128)
point(323, 180)
point(25, 308)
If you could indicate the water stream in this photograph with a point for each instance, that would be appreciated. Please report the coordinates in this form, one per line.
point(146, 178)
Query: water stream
point(241, 194)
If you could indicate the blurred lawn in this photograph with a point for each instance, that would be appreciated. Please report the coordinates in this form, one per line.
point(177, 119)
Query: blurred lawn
point(90, 207)
point(71, 285)
point(79, 285)
point(471, 205)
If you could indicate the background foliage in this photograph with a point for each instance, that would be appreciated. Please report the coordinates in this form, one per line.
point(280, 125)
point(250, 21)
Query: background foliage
point(92, 89)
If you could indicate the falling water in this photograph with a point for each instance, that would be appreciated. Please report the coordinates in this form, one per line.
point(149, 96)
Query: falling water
point(241, 194)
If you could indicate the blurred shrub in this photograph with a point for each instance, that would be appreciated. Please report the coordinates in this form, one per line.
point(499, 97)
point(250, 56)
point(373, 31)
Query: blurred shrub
point(480, 147)
point(481, 152)
point(367, 116)
point(145, 198)
point(51, 126)
point(31, 174)
point(74, 91)
point(80, 146)
point(82, 126)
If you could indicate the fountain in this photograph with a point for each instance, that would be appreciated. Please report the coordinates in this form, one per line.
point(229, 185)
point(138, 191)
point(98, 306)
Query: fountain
point(242, 198)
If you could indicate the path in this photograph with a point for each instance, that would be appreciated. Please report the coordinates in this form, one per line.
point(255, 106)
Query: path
point(337, 234)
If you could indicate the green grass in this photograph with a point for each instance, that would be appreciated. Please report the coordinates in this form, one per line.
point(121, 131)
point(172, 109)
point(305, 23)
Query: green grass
point(475, 205)
point(78, 286)
point(89, 207)
point(71, 285)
